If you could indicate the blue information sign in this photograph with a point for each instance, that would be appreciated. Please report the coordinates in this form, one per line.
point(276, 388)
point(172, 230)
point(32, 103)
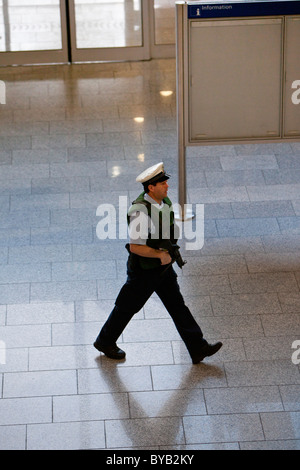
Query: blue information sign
point(238, 9)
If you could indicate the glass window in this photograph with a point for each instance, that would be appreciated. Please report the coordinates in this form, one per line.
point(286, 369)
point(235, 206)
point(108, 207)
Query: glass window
point(108, 23)
point(30, 25)
point(164, 17)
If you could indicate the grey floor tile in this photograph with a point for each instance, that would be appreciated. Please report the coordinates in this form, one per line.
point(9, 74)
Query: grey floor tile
point(218, 210)
point(13, 274)
point(271, 445)
point(63, 291)
point(60, 185)
point(263, 282)
point(10, 294)
point(278, 243)
point(40, 254)
point(37, 384)
point(205, 285)
point(66, 436)
point(60, 235)
point(21, 336)
point(230, 326)
point(14, 237)
point(222, 428)
point(13, 437)
point(44, 142)
point(289, 160)
point(290, 397)
point(274, 325)
point(245, 304)
point(3, 255)
point(145, 354)
point(243, 400)
point(274, 192)
point(83, 271)
point(139, 432)
point(94, 154)
point(213, 265)
point(109, 378)
point(213, 446)
point(64, 334)
point(212, 195)
point(252, 373)
point(289, 225)
point(62, 358)
point(248, 227)
point(25, 410)
point(80, 169)
point(56, 312)
point(243, 162)
point(2, 314)
point(5, 157)
point(16, 360)
point(39, 156)
point(93, 310)
point(269, 348)
point(290, 302)
point(15, 186)
point(273, 262)
point(263, 209)
point(282, 176)
point(174, 377)
point(150, 330)
point(26, 219)
point(234, 178)
point(73, 217)
point(15, 143)
point(93, 407)
point(40, 201)
point(156, 404)
point(281, 425)
point(264, 149)
point(29, 171)
point(232, 245)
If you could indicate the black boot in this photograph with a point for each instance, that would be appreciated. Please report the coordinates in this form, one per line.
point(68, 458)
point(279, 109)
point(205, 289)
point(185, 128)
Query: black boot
point(112, 351)
point(205, 351)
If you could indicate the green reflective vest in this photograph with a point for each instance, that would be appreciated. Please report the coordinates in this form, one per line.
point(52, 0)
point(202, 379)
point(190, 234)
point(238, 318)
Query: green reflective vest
point(163, 227)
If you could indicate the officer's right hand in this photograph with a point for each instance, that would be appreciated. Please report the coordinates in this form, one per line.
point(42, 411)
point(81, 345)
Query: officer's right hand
point(165, 258)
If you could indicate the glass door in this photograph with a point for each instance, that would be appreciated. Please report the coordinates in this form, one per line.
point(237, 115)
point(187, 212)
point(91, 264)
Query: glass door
point(107, 30)
point(33, 31)
point(61, 31)
point(163, 28)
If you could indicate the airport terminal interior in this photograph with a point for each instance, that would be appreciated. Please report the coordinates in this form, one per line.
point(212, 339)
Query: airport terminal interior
point(73, 138)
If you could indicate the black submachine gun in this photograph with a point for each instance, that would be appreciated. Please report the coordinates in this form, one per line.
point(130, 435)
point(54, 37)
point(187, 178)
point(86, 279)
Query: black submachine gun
point(174, 252)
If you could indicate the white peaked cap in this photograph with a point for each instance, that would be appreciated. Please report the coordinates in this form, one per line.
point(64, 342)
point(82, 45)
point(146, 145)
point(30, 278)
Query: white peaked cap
point(153, 174)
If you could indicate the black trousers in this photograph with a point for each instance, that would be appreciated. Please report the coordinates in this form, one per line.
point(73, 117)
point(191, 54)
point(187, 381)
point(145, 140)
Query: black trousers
point(139, 286)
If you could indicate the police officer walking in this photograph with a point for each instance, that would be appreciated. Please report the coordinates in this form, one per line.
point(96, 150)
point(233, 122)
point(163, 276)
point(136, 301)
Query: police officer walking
point(152, 233)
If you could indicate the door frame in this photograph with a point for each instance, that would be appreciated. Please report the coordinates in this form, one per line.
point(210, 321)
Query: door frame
point(109, 54)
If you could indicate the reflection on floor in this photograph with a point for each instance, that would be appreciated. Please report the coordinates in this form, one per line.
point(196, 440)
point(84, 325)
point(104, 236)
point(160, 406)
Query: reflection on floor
point(69, 142)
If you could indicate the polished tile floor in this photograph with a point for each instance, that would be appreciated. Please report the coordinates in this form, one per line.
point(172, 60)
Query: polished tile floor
point(69, 142)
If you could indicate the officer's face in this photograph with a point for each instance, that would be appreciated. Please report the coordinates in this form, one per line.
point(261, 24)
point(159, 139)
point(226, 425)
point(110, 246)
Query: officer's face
point(159, 191)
